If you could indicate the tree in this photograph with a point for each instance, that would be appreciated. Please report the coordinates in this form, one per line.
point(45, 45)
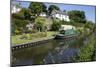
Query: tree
point(77, 16)
point(19, 15)
point(40, 23)
point(19, 25)
point(56, 25)
point(44, 8)
point(27, 14)
point(19, 21)
point(53, 7)
point(37, 7)
point(89, 24)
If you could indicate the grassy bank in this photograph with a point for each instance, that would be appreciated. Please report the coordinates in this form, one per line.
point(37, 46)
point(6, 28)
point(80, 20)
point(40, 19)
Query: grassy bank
point(20, 39)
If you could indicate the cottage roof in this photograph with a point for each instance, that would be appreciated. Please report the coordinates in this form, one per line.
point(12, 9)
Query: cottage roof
point(58, 12)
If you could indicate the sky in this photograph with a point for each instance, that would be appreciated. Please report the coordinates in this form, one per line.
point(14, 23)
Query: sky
point(89, 10)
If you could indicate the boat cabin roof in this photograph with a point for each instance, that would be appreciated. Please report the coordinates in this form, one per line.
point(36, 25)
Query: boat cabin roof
point(68, 32)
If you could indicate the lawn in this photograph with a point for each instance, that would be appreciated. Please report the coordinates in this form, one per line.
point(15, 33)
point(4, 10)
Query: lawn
point(20, 39)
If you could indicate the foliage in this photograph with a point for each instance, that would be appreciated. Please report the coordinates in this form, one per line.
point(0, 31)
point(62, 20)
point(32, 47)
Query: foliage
point(24, 38)
point(87, 53)
point(18, 25)
point(40, 23)
point(17, 31)
point(27, 14)
point(56, 25)
point(90, 25)
point(53, 7)
point(77, 16)
point(31, 36)
point(37, 7)
point(19, 15)
point(44, 7)
point(72, 23)
point(19, 22)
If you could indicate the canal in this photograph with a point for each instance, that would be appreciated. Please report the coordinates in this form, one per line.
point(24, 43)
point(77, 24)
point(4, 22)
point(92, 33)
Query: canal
point(52, 52)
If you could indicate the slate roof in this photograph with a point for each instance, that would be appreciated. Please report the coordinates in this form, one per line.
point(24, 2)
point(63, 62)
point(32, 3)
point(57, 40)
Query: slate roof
point(58, 12)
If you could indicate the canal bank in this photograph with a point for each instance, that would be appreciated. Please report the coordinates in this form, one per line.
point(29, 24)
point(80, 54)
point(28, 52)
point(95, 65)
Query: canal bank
point(41, 41)
point(30, 44)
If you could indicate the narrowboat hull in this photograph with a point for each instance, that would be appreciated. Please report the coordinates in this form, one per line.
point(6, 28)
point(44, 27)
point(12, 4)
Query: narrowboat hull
point(64, 36)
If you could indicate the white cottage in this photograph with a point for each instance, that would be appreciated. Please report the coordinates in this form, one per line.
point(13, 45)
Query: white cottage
point(60, 15)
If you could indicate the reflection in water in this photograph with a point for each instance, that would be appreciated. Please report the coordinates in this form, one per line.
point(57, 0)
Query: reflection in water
point(56, 51)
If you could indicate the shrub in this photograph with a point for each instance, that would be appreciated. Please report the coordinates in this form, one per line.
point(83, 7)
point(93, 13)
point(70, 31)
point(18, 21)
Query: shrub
point(17, 32)
point(40, 23)
point(56, 25)
point(18, 26)
point(87, 53)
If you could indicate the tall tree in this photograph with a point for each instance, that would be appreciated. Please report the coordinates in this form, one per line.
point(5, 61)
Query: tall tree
point(56, 25)
point(27, 14)
point(40, 23)
point(37, 7)
point(44, 8)
point(77, 16)
point(53, 7)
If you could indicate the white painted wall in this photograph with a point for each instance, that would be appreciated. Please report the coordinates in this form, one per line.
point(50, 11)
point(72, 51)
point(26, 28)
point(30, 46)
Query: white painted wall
point(43, 15)
point(61, 17)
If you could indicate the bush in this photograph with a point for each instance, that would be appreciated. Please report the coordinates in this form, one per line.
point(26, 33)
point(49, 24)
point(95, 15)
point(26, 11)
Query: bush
point(56, 25)
point(17, 32)
point(87, 53)
point(18, 26)
point(40, 23)
point(65, 22)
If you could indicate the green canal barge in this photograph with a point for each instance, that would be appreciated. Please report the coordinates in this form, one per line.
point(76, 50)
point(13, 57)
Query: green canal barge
point(64, 34)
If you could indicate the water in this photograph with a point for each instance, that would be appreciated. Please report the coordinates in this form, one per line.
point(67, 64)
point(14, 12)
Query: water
point(55, 51)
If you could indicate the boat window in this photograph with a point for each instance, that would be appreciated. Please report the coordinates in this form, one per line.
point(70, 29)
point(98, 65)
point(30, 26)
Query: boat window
point(62, 32)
